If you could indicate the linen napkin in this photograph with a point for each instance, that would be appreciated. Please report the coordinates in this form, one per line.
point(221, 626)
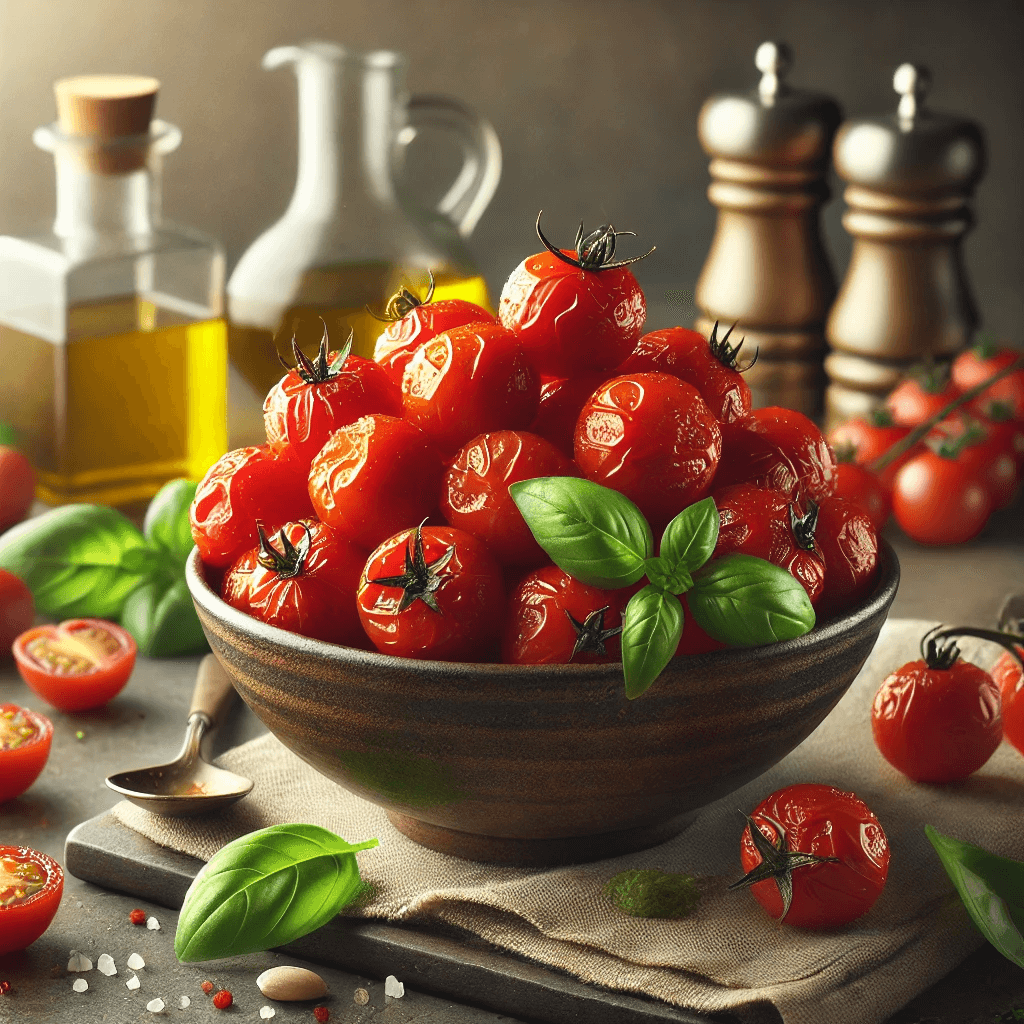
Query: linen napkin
point(728, 954)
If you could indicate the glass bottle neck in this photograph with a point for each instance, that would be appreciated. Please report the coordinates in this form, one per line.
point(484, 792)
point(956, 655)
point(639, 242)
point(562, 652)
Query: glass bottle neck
point(91, 203)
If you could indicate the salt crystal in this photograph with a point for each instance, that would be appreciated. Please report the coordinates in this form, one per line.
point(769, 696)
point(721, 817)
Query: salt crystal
point(393, 987)
point(184, 1003)
point(266, 1012)
point(106, 965)
point(78, 962)
point(152, 924)
point(155, 1005)
point(80, 985)
point(135, 962)
point(361, 996)
point(133, 982)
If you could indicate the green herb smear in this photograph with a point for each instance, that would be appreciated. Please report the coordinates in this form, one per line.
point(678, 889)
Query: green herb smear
point(653, 893)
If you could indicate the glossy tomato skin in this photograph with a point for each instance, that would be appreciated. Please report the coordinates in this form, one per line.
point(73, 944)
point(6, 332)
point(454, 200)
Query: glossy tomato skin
point(24, 919)
point(826, 822)
point(475, 496)
point(538, 630)
point(570, 320)
point(305, 414)
point(911, 404)
point(1006, 673)
point(375, 477)
point(400, 339)
point(17, 486)
point(466, 382)
point(870, 440)
point(561, 402)
point(471, 598)
point(687, 355)
point(977, 364)
point(25, 739)
point(935, 724)
point(859, 486)
point(72, 680)
point(651, 437)
point(848, 540)
point(17, 609)
point(318, 602)
point(262, 482)
point(986, 452)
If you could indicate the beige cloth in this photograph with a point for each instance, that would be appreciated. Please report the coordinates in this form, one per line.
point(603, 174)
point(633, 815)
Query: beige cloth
point(729, 954)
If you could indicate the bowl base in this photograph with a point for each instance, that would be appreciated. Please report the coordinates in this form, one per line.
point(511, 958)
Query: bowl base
point(537, 852)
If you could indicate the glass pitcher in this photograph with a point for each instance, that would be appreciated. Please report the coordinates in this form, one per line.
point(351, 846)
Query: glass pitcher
point(351, 236)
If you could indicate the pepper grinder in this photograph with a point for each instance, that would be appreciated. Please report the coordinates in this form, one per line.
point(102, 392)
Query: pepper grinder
point(905, 297)
point(767, 269)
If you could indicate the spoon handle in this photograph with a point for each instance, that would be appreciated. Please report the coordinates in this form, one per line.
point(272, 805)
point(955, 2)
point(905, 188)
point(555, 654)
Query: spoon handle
point(213, 692)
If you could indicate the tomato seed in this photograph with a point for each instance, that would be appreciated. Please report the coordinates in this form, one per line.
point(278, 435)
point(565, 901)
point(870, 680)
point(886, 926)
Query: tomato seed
point(223, 999)
point(137, 916)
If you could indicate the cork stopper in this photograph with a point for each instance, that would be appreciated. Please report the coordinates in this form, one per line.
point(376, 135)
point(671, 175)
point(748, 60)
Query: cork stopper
point(110, 109)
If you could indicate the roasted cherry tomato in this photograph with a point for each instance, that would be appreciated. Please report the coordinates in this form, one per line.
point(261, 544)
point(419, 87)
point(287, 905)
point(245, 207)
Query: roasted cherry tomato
point(780, 449)
point(475, 497)
point(320, 395)
point(985, 450)
point(433, 592)
point(17, 609)
point(265, 482)
point(937, 719)
point(17, 486)
point(305, 581)
point(575, 310)
point(980, 362)
point(707, 365)
point(849, 542)
point(374, 477)
point(864, 440)
point(859, 486)
point(561, 402)
point(80, 664)
point(651, 437)
point(31, 885)
point(25, 738)
point(925, 392)
point(1008, 677)
point(694, 640)
point(553, 619)
point(468, 381)
point(822, 843)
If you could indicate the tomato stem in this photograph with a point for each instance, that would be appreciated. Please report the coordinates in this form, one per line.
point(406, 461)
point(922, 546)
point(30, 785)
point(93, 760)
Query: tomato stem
point(403, 302)
point(593, 251)
point(1010, 641)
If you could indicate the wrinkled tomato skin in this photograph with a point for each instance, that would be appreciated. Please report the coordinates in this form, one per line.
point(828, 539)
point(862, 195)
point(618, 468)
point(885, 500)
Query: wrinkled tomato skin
point(538, 630)
point(400, 339)
point(17, 610)
point(651, 437)
point(971, 368)
point(937, 725)
point(687, 355)
point(849, 542)
point(859, 486)
point(319, 602)
point(22, 765)
point(910, 404)
point(466, 382)
point(1006, 673)
point(561, 402)
point(471, 599)
point(569, 320)
point(305, 415)
point(262, 482)
point(25, 920)
point(475, 496)
point(826, 822)
point(869, 441)
point(375, 477)
point(939, 501)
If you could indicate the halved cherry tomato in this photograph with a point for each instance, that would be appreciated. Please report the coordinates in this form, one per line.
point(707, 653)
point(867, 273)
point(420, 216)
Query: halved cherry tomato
point(80, 664)
point(17, 609)
point(25, 738)
point(31, 885)
point(1008, 677)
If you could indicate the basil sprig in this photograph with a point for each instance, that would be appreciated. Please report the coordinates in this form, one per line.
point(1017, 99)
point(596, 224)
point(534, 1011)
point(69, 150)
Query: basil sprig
point(266, 889)
point(599, 537)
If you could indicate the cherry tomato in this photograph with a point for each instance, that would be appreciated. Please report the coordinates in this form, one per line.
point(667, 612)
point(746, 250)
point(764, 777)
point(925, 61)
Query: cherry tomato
point(320, 395)
point(468, 381)
point(1007, 675)
point(553, 620)
point(836, 827)
point(375, 477)
point(651, 437)
point(977, 364)
point(304, 581)
point(17, 487)
point(17, 609)
point(780, 449)
point(694, 640)
point(576, 311)
point(25, 738)
point(1007, 434)
point(921, 396)
point(985, 451)
point(869, 439)
point(709, 366)
point(561, 402)
point(859, 486)
point(31, 885)
point(433, 592)
point(475, 497)
point(848, 540)
point(266, 482)
point(80, 664)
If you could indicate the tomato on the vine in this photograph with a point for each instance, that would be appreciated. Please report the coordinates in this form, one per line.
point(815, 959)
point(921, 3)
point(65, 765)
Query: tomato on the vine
point(25, 738)
point(1007, 675)
point(871, 438)
point(31, 885)
point(849, 542)
point(561, 402)
point(926, 391)
point(815, 856)
point(17, 609)
point(980, 362)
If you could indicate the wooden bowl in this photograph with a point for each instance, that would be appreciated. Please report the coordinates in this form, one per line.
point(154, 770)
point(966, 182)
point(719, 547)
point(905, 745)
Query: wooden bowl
point(539, 764)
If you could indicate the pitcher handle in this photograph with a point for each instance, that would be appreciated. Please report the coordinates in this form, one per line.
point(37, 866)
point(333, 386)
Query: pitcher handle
point(477, 181)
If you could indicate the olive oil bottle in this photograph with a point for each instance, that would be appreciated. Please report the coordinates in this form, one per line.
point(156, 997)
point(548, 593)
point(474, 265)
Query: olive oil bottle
point(112, 337)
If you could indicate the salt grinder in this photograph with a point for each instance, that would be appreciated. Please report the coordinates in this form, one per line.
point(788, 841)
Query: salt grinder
point(905, 297)
point(767, 269)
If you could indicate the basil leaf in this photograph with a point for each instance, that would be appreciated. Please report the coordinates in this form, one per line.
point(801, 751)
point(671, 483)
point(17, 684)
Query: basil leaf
point(593, 533)
point(746, 601)
point(161, 617)
point(651, 628)
point(992, 889)
point(690, 539)
point(77, 560)
point(266, 889)
point(667, 575)
point(8, 436)
point(166, 525)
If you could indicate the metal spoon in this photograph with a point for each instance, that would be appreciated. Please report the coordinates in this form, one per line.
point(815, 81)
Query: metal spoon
point(189, 785)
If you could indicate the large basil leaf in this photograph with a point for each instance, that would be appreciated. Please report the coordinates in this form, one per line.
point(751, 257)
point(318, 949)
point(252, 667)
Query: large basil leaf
point(266, 889)
point(166, 525)
point(992, 889)
point(690, 539)
point(593, 533)
point(651, 628)
point(161, 617)
point(745, 602)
